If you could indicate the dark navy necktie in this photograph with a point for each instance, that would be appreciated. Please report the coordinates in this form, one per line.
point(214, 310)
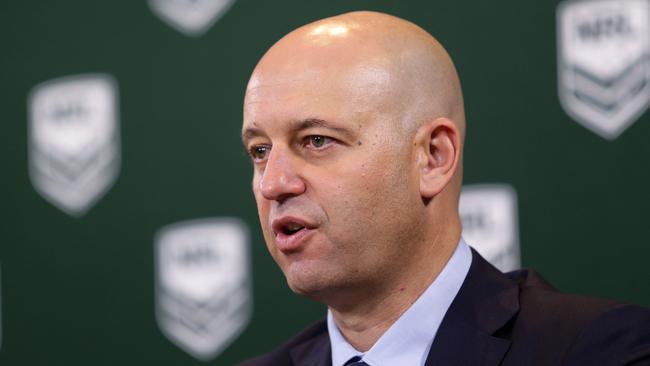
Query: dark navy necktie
point(355, 361)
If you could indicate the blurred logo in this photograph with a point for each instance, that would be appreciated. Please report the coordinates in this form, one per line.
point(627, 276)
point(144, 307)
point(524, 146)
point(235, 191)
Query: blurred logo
point(190, 17)
point(74, 141)
point(203, 284)
point(604, 62)
point(489, 216)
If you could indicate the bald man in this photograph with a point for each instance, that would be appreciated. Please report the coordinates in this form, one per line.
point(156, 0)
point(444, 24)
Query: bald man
point(355, 126)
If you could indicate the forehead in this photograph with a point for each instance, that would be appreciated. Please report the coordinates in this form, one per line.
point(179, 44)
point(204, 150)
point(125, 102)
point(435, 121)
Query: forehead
point(293, 92)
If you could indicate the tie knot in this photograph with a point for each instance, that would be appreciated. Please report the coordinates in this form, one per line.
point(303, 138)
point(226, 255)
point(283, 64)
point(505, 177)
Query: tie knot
point(355, 361)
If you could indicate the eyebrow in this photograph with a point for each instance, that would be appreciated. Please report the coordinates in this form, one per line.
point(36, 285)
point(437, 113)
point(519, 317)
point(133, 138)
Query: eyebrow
point(300, 125)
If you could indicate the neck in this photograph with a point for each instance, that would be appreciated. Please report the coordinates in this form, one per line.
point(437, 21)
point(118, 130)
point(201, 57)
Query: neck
point(364, 317)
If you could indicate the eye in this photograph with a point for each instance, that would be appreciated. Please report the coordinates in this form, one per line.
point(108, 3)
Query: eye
point(318, 141)
point(259, 152)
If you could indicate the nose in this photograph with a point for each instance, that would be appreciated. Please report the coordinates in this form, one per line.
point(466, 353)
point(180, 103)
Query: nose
point(280, 180)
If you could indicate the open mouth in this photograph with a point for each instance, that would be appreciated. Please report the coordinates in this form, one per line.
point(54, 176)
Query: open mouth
point(291, 228)
point(292, 233)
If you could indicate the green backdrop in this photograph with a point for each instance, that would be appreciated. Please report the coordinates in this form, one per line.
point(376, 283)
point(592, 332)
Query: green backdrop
point(80, 291)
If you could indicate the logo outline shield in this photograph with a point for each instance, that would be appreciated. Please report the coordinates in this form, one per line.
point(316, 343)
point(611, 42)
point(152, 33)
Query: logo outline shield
point(604, 85)
point(491, 209)
point(192, 18)
point(200, 315)
point(74, 140)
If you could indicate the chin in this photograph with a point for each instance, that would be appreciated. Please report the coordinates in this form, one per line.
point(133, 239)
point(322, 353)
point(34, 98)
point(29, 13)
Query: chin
point(321, 286)
point(308, 283)
point(318, 294)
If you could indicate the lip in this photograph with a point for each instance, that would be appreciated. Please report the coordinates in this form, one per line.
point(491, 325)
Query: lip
point(294, 242)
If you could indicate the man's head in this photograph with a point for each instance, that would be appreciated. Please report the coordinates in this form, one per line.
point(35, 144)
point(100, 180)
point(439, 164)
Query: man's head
point(355, 126)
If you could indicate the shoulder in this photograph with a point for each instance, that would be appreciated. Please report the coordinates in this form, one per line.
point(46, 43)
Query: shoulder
point(540, 302)
point(316, 334)
point(585, 330)
point(618, 336)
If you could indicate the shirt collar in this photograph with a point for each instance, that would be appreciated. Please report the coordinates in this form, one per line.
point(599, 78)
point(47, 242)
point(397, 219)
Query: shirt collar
point(409, 339)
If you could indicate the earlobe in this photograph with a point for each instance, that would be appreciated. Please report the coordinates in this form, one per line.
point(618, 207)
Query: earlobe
point(438, 155)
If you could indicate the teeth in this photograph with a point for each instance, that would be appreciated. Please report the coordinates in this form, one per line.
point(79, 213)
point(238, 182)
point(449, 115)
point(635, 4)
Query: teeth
point(292, 228)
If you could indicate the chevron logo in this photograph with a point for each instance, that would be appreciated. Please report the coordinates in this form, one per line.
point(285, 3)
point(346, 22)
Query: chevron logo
point(74, 140)
point(190, 17)
point(490, 223)
point(604, 62)
point(203, 284)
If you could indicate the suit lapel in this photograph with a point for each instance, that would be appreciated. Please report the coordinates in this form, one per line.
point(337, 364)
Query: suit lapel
point(484, 304)
point(465, 345)
point(466, 337)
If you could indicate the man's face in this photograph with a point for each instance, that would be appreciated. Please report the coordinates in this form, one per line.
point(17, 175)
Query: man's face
point(334, 178)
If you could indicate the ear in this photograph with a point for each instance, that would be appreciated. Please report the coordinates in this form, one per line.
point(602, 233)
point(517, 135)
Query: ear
point(438, 148)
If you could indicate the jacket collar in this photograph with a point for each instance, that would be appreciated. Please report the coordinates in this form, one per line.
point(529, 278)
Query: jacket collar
point(315, 350)
point(485, 303)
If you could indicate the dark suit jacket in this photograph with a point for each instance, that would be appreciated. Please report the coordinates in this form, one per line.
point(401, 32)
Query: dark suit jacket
point(511, 319)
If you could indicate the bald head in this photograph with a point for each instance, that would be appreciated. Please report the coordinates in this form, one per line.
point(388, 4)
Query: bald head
point(378, 52)
point(355, 125)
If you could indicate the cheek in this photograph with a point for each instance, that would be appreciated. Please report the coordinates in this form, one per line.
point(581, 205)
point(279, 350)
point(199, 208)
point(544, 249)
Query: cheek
point(375, 197)
point(263, 208)
point(262, 204)
point(255, 183)
point(360, 195)
point(379, 181)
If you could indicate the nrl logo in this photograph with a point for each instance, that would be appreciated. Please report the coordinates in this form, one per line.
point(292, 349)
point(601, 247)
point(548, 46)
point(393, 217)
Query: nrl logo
point(489, 216)
point(190, 17)
point(203, 284)
point(74, 141)
point(604, 62)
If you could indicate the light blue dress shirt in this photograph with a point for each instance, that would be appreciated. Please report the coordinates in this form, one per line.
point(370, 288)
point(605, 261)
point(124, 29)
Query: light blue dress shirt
point(408, 341)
